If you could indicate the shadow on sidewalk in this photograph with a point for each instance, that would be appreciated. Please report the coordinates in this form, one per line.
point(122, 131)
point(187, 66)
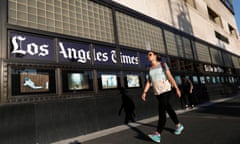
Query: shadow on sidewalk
point(140, 135)
point(75, 142)
point(170, 130)
point(225, 108)
point(143, 136)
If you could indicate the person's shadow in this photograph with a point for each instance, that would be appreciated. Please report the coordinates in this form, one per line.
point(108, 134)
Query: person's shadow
point(75, 142)
point(128, 106)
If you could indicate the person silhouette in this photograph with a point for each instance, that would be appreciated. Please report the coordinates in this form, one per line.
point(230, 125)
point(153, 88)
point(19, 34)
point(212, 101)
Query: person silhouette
point(187, 89)
point(128, 106)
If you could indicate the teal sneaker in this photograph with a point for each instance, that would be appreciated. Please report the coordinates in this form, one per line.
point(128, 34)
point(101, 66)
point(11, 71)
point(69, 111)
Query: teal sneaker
point(179, 130)
point(155, 137)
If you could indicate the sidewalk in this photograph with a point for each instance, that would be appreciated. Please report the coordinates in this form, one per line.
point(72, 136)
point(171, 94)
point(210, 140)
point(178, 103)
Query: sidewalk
point(217, 122)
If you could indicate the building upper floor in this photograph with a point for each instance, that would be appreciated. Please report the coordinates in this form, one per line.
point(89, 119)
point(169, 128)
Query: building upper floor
point(210, 20)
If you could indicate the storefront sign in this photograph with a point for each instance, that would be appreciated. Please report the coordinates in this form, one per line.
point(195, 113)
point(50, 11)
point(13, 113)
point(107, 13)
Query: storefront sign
point(129, 58)
point(77, 52)
point(74, 52)
point(104, 55)
point(27, 46)
point(216, 69)
point(31, 47)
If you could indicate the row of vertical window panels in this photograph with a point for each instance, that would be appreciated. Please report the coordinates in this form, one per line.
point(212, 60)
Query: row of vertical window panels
point(216, 56)
point(81, 18)
point(236, 62)
point(178, 45)
point(224, 59)
point(227, 60)
point(137, 33)
point(202, 52)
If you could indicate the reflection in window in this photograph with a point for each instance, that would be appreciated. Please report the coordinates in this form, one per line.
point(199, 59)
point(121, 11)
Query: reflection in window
point(231, 79)
point(108, 80)
point(218, 79)
point(195, 79)
point(77, 80)
point(178, 79)
point(236, 79)
point(226, 80)
point(132, 80)
point(202, 80)
point(222, 80)
point(214, 80)
point(208, 79)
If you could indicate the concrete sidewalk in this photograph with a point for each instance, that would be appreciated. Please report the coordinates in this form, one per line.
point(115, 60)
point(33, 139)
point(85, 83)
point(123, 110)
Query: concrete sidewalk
point(216, 122)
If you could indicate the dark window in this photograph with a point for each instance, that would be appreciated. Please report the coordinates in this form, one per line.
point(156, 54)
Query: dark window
point(221, 37)
point(175, 64)
point(232, 30)
point(200, 68)
point(213, 16)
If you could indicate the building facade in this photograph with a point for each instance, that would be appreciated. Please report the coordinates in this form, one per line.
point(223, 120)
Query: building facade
point(64, 63)
point(211, 21)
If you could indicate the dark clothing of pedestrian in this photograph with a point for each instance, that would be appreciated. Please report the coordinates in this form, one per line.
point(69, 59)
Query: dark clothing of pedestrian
point(163, 107)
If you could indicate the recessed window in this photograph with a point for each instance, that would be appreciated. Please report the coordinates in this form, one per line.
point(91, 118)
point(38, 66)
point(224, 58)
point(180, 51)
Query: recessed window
point(32, 81)
point(74, 81)
point(232, 30)
point(108, 80)
point(221, 37)
point(213, 16)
